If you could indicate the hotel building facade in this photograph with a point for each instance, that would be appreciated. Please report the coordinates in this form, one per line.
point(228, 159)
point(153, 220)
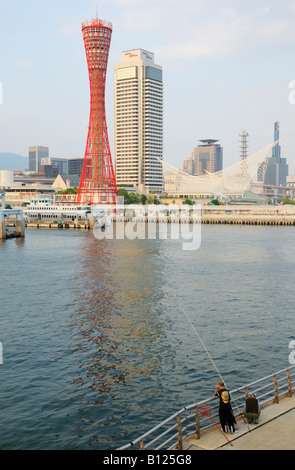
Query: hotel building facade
point(138, 122)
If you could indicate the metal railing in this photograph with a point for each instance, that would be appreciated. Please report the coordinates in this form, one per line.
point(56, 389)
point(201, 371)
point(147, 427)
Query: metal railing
point(187, 421)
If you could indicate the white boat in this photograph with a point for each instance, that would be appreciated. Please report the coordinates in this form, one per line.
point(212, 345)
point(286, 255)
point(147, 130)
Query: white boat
point(46, 210)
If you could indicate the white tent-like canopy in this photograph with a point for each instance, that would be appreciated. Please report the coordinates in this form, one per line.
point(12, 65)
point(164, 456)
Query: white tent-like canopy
point(234, 180)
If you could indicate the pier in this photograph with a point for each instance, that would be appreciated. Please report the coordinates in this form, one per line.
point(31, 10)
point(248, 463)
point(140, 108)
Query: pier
point(275, 431)
point(223, 214)
point(190, 429)
point(5, 225)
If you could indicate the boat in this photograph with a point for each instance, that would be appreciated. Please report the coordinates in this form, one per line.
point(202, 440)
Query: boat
point(45, 209)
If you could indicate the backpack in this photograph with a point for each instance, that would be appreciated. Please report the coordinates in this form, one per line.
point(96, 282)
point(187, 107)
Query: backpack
point(224, 396)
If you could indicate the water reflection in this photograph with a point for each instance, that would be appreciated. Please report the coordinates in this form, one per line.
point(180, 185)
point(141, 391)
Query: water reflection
point(118, 327)
point(97, 347)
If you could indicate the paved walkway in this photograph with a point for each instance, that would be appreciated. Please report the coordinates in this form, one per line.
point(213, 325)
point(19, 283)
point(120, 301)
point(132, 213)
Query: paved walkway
point(275, 431)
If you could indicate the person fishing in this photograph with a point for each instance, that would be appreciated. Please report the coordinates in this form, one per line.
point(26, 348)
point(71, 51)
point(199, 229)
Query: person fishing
point(252, 409)
point(226, 415)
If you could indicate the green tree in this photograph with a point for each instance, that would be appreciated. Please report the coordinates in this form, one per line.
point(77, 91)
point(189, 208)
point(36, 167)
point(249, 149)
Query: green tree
point(214, 202)
point(143, 199)
point(133, 198)
point(124, 193)
point(188, 201)
point(129, 198)
point(68, 191)
point(288, 201)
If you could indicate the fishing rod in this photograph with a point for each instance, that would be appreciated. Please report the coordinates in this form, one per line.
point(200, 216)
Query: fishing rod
point(208, 354)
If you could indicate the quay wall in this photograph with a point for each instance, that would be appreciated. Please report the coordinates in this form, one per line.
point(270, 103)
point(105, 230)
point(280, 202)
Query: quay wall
point(225, 214)
point(212, 219)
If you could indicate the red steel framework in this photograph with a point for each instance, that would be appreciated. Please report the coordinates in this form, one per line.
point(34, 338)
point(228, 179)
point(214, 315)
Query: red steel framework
point(98, 183)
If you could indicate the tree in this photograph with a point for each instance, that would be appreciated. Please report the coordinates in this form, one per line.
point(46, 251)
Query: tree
point(288, 201)
point(68, 191)
point(133, 198)
point(214, 202)
point(188, 201)
point(143, 199)
point(123, 193)
point(129, 198)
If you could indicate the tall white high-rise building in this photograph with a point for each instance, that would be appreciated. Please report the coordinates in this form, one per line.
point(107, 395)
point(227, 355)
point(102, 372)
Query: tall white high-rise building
point(138, 122)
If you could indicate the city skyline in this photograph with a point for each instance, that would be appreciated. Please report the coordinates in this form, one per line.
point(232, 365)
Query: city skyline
point(232, 74)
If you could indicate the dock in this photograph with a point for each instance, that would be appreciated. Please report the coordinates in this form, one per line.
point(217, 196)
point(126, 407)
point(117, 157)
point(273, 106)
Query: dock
point(7, 228)
point(274, 431)
point(196, 426)
point(262, 215)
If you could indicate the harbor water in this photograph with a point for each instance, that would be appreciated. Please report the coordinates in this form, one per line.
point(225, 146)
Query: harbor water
point(96, 349)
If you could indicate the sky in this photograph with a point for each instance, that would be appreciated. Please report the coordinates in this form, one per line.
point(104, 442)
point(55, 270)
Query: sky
point(228, 65)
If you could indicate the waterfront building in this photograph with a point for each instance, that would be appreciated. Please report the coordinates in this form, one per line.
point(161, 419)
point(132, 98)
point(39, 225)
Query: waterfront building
point(189, 166)
point(276, 170)
point(35, 156)
point(19, 189)
point(66, 182)
point(6, 178)
point(261, 172)
point(290, 181)
point(232, 181)
point(18, 196)
point(75, 166)
point(138, 122)
point(208, 157)
point(61, 164)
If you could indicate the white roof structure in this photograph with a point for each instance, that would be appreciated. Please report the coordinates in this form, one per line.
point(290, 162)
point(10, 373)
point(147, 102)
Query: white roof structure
point(234, 180)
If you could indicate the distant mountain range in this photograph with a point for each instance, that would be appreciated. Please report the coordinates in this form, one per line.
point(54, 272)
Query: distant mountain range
point(12, 160)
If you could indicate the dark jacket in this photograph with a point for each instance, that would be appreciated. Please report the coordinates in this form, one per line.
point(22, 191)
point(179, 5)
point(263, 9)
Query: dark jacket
point(252, 405)
point(224, 398)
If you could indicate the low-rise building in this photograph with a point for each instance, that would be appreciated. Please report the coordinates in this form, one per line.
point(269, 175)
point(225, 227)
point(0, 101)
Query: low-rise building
point(63, 182)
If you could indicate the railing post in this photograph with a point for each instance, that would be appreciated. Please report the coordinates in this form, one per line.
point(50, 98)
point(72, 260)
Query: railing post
point(289, 384)
point(179, 445)
point(198, 432)
point(141, 444)
point(276, 390)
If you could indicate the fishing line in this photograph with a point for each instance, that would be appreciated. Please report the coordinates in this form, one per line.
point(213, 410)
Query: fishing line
point(201, 341)
point(208, 354)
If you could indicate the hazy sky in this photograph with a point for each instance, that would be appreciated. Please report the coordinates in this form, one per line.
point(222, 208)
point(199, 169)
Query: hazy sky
point(227, 66)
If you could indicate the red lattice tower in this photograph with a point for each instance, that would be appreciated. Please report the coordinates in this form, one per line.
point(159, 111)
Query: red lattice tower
point(98, 183)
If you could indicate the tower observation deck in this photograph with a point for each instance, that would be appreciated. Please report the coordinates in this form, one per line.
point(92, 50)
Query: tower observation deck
point(97, 184)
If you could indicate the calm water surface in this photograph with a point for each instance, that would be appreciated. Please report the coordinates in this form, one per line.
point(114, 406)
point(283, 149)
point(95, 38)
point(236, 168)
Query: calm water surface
point(96, 350)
